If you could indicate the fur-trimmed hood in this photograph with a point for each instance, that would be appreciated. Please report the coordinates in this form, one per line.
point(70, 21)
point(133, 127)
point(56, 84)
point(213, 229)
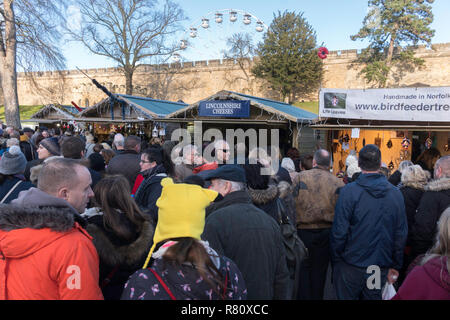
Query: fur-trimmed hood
point(14, 217)
point(124, 255)
point(34, 228)
point(263, 196)
point(438, 185)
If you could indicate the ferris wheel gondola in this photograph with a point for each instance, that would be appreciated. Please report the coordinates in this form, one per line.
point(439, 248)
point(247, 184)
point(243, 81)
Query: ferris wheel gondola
point(217, 18)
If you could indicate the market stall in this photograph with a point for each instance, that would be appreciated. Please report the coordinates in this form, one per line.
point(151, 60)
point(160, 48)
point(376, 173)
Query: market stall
point(128, 115)
point(231, 110)
point(56, 116)
point(403, 122)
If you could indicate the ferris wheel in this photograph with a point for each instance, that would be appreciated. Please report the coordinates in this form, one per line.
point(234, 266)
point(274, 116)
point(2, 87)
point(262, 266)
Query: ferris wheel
point(206, 39)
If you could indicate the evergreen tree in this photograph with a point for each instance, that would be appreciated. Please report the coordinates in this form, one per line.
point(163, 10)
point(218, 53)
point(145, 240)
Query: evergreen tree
point(288, 57)
point(394, 28)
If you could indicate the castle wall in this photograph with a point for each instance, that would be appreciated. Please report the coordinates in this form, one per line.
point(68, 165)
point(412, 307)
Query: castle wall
point(193, 81)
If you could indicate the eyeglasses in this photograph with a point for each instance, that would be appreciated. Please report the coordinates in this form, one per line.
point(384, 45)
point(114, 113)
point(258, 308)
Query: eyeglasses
point(224, 150)
point(145, 161)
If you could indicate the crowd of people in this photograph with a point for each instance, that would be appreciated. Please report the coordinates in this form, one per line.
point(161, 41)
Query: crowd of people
point(125, 219)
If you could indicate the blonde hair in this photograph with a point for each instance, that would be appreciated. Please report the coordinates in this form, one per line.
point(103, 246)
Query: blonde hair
point(414, 176)
point(441, 247)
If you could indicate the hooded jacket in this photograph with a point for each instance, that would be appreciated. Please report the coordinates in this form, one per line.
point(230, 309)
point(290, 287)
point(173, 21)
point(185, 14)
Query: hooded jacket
point(430, 281)
point(433, 202)
point(369, 226)
point(45, 252)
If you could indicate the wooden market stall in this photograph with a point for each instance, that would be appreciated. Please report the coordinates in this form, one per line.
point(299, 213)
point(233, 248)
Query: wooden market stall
point(231, 110)
point(55, 116)
point(402, 122)
point(128, 115)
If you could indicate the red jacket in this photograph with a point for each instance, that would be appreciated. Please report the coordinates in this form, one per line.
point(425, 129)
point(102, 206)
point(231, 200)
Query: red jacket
point(428, 282)
point(45, 255)
point(206, 166)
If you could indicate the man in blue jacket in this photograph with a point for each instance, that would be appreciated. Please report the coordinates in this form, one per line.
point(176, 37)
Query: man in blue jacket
point(369, 232)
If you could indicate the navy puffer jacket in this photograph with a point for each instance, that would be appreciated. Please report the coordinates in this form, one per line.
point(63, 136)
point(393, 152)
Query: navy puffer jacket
point(370, 226)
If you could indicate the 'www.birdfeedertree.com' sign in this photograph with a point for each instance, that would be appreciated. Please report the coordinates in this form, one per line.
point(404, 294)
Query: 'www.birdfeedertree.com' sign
point(225, 108)
point(404, 104)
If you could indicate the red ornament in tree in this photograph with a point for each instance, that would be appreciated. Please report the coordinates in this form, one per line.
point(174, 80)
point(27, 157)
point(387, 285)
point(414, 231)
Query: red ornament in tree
point(322, 53)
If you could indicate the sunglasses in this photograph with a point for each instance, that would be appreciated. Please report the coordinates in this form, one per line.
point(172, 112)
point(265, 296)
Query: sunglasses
point(224, 150)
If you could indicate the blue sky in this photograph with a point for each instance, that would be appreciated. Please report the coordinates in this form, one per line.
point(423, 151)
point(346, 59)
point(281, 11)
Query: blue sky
point(333, 20)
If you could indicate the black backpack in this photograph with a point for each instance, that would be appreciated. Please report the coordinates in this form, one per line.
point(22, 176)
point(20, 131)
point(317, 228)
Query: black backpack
point(296, 251)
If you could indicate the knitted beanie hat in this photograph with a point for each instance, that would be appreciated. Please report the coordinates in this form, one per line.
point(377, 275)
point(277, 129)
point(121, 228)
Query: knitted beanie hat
point(52, 146)
point(181, 212)
point(13, 161)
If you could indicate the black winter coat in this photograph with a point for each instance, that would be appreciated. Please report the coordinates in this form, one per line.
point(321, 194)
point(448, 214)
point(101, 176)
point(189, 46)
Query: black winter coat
point(412, 198)
point(29, 150)
point(119, 258)
point(126, 164)
point(248, 236)
point(433, 202)
point(150, 190)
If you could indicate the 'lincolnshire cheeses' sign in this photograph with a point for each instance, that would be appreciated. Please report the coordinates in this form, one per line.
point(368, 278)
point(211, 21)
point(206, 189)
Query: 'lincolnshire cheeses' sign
point(224, 108)
point(404, 104)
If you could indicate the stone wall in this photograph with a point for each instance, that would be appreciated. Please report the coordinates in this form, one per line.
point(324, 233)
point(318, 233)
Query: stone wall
point(193, 81)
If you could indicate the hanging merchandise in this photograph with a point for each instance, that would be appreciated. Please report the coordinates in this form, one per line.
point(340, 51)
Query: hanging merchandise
point(389, 144)
point(378, 141)
point(428, 141)
point(162, 131)
point(345, 146)
point(155, 132)
point(406, 143)
point(391, 165)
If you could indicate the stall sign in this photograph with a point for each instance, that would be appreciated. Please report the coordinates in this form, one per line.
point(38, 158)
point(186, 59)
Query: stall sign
point(403, 104)
point(225, 108)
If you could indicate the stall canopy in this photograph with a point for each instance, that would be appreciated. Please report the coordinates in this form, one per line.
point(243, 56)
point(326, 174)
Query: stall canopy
point(133, 109)
point(54, 113)
point(276, 111)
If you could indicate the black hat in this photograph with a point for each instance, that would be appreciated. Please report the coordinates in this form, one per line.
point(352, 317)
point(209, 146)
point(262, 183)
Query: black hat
point(230, 172)
point(26, 129)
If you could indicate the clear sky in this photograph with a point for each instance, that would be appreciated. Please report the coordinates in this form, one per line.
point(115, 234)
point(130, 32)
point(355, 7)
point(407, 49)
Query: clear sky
point(333, 20)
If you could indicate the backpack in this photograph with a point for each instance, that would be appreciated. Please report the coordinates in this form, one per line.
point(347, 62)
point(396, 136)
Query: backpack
point(295, 249)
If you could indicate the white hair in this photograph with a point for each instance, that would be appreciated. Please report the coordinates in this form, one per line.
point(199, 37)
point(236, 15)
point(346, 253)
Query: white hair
point(288, 164)
point(119, 140)
point(12, 142)
point(235, 186)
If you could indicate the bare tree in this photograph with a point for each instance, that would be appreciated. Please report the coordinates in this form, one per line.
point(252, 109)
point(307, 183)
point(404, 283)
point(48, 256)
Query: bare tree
point(241, 49)
point(29, 37)
point(130, 32)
